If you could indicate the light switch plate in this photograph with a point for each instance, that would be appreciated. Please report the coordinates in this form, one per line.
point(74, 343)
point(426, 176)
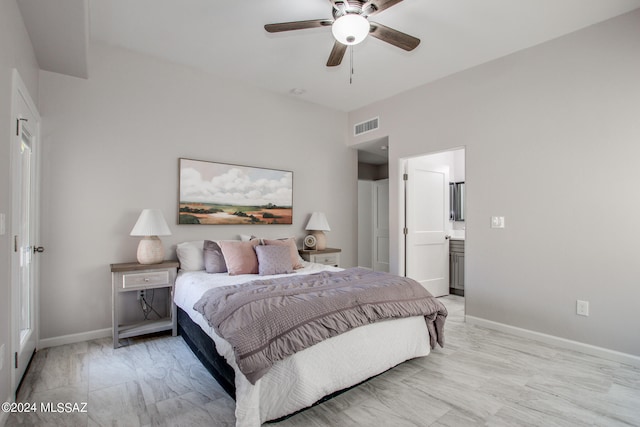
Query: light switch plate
point(3, 226)
point(497, 222)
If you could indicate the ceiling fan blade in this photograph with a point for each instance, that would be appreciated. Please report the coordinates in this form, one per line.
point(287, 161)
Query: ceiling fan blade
point(297, 25)
point(336, 55)
point(380, 5)
point(394, 37)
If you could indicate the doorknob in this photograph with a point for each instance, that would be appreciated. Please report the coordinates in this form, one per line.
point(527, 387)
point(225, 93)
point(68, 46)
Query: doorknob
point(38, 249)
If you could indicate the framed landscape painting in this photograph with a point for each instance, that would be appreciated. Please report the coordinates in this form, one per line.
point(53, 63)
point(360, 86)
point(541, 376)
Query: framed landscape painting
point(220, 193)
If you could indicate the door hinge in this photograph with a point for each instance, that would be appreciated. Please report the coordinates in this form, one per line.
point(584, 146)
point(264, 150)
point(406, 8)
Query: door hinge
point(15, 243)
point(405, 177)
point(18, 125)
point(405, 231)
point(15, 357)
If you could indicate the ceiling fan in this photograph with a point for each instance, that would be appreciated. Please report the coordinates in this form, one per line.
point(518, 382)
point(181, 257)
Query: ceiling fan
point(351, 25)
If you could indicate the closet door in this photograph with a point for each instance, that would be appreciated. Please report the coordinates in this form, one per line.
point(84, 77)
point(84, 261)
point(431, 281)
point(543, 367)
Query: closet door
point(381, 225)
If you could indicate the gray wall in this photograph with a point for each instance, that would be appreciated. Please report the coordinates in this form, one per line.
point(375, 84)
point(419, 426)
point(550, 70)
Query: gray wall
point(112, 146)
point(552, 143)
point(15, 52)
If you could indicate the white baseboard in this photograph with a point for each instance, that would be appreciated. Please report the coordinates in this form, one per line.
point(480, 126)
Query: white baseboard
point(74, 338)
point(592, 350)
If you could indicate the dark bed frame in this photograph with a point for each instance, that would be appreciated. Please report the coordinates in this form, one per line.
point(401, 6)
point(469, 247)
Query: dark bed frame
point(203, 347)
point(205, 350)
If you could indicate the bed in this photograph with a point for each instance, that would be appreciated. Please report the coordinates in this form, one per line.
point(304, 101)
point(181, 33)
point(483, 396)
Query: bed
point(306, 377)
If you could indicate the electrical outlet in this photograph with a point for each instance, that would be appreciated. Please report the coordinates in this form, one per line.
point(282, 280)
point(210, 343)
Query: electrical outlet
point(142, 293)
point(1, 357)
point(582, 308)
point(497, 222)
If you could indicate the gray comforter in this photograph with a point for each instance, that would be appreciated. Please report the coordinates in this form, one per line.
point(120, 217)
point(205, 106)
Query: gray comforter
point(268, 320)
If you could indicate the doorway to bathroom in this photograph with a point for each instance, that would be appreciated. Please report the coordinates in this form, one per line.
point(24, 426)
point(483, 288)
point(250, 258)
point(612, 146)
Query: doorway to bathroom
point(434, 220)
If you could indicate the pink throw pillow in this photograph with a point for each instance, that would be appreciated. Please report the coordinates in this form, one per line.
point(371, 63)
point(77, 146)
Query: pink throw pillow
point(293, 249)
point(240, 257)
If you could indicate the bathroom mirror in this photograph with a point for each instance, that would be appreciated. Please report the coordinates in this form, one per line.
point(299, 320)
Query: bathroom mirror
point(456, 201)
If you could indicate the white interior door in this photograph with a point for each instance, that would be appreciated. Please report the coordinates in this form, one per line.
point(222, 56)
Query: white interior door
point(24, 227)
point(426, 211)
point(381, 225)
point(365, 224)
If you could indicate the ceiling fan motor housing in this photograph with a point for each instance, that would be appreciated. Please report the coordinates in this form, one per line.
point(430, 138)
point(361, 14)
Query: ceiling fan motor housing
point(342, 8)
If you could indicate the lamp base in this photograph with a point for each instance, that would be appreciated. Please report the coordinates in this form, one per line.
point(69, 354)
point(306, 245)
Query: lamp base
point(321, 240)
point(150, 250)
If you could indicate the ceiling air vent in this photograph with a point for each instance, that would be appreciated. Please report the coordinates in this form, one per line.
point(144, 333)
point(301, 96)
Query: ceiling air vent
point(367, 126)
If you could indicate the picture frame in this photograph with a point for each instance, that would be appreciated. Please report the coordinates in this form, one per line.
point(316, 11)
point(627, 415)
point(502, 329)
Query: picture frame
point(214, 193)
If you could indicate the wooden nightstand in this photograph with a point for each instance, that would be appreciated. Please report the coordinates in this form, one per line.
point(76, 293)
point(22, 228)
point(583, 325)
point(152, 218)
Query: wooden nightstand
point(134, 277)
point(328, 256)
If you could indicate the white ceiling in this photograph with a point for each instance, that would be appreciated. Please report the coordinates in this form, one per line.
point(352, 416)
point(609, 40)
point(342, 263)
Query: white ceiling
point(227, 39)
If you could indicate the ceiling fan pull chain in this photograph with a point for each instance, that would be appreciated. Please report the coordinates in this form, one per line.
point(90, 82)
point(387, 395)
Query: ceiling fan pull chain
point(351, 64)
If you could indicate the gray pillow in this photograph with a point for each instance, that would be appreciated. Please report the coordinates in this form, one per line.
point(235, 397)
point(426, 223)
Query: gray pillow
point(273, 260)
point(213, 258)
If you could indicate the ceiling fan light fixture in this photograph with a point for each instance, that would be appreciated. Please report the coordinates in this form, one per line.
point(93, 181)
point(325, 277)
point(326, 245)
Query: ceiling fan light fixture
point(350, 29)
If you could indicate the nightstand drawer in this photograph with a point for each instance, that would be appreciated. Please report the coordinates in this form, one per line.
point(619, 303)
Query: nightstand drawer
point(140, 280)
point(328, 259)
point(329, 256)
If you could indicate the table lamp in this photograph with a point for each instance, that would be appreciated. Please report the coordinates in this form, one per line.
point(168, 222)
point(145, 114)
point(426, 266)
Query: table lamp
point(318, 225)
point(150, 224)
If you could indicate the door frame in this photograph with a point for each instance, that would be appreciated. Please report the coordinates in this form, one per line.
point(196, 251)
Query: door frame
point(402, 199)
point(19, 90)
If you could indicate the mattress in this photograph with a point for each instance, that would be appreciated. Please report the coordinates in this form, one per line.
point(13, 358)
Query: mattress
point(301, 380)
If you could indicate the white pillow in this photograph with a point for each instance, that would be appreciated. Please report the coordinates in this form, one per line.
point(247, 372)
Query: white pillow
point(191, 255)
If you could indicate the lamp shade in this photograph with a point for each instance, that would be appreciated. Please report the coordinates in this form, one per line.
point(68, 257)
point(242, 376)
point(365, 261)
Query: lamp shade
point(350, 29)
point(151, 223)
point(318, 221)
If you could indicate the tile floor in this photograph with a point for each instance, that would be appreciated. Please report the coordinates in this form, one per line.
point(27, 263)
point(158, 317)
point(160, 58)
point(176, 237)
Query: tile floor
point(481, 377)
